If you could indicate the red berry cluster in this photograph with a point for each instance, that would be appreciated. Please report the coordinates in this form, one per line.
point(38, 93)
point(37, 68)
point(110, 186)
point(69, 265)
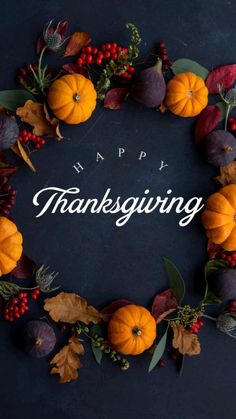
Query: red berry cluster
point(196, 325)
point(18, 305)
point(232, 124)
point(7, 197)
point(232, 306)
point(162, 53)
point(230, 257)
point(104, 53)
point(26, 136)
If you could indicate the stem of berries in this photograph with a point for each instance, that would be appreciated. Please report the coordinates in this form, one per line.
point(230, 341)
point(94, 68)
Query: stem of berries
point(27, 137)
point(7, 198)
point(18, 305)
point(99, 342)
point(163, 55)
point(229, 257)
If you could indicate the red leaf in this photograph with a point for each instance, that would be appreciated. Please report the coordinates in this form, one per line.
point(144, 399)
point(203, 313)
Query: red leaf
point(77, 41)
point(72, 68)
point(163, 304)
point(115, 98)
point(214, 250)
point(111, 308)
point(25, 268)
point(62, 28)
point(224, 75)
point(206, 122)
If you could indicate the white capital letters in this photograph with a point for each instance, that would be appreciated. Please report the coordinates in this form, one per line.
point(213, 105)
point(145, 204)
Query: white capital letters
point(163, 165)
point(142, 155)
point(121, 151)
point(78, 167)
point(99, 157)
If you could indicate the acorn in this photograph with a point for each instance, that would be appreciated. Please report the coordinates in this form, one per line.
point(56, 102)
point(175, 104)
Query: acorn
point(149, 87)
point(223, 284)
point(39, 338)
point(9, 132)
point(220, 148)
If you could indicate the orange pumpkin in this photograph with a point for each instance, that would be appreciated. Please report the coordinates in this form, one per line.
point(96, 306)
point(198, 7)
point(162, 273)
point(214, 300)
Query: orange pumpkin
point(186, 95)
point(219, 217)
point(131, 330)
point(10, 245)
point(72, 98)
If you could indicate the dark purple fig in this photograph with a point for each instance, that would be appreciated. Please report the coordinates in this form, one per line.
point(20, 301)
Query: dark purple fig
point(220, 148)
point(39, 338)
point(9, 132)
point(223, 284)
point(149, 86)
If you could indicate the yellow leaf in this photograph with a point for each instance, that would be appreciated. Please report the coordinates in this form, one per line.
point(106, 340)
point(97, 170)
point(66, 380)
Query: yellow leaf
point(227, 174)
point(36, 115)
point(67, 362)
point(77, 41)
point(185, 341)
point(20, 151)
point(70, 308)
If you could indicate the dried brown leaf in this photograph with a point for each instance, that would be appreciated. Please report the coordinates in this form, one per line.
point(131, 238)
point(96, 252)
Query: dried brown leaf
point(227, 174)
point(67, 362)
point(77, 41)
point(36, 115)
point(20, 151)
point(185, 341)
point(70, 308)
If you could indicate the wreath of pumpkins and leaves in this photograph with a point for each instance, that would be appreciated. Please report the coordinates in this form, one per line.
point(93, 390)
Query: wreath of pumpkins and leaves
point(68, 93)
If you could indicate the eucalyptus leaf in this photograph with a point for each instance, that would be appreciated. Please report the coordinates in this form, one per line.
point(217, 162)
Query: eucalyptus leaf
point(97, 354)
point(223, 108)
point(184, 65)
point(12, 99)
point(158, 351)
point(212, 266)
point(175, 280)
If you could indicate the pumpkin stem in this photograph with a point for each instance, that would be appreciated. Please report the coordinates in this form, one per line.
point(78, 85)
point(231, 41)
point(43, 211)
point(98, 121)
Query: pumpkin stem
point(227, 149)
point(38, 342)
point(136, 331)
point(76, 97)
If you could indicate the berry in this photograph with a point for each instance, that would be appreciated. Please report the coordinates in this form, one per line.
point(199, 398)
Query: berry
point(98, 61)
point(89, 50)
point(80, 62)
point(107, 54)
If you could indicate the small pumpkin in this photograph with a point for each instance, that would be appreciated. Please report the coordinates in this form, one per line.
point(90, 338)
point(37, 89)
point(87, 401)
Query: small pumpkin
point(10, 245)
point(186, 95)
point(131, 330)
point(72, 98)
point(219, 217)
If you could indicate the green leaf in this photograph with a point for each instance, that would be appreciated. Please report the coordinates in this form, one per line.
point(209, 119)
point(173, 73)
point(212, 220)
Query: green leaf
point(97, 354)
point(158, 351)
point(223, 108)
point(175, 280)
point(12, 99)
point(184, 65)
point(212, 266)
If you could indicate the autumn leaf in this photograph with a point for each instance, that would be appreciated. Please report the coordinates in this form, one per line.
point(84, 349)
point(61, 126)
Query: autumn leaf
point(213, 250)
point(25, 268)
point(67, 362)
point(20, 151)
point(70, 308)
point(224, 75)
point(206, 122)
point(116, 97)
point(77, 41)
point(185, 341)
point(164, 303)
point(227, 174)
point(72, 68)
point(111, 308)
point(36, 115)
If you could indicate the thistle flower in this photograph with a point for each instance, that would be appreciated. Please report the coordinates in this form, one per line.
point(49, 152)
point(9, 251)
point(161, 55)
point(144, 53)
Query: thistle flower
point(226, 323)
point(54, 38)
point(229, 99)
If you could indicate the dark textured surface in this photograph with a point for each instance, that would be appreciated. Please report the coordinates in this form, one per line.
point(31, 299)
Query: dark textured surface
point(95, 258)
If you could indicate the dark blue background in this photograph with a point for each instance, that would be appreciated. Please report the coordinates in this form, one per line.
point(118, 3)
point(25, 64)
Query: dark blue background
point(94, 257)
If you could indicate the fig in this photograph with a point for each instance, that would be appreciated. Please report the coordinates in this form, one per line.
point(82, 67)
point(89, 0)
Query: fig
point(223, 284)
point(220, 148)
point(149, 86)
point(39, 338)
point(9, 132)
